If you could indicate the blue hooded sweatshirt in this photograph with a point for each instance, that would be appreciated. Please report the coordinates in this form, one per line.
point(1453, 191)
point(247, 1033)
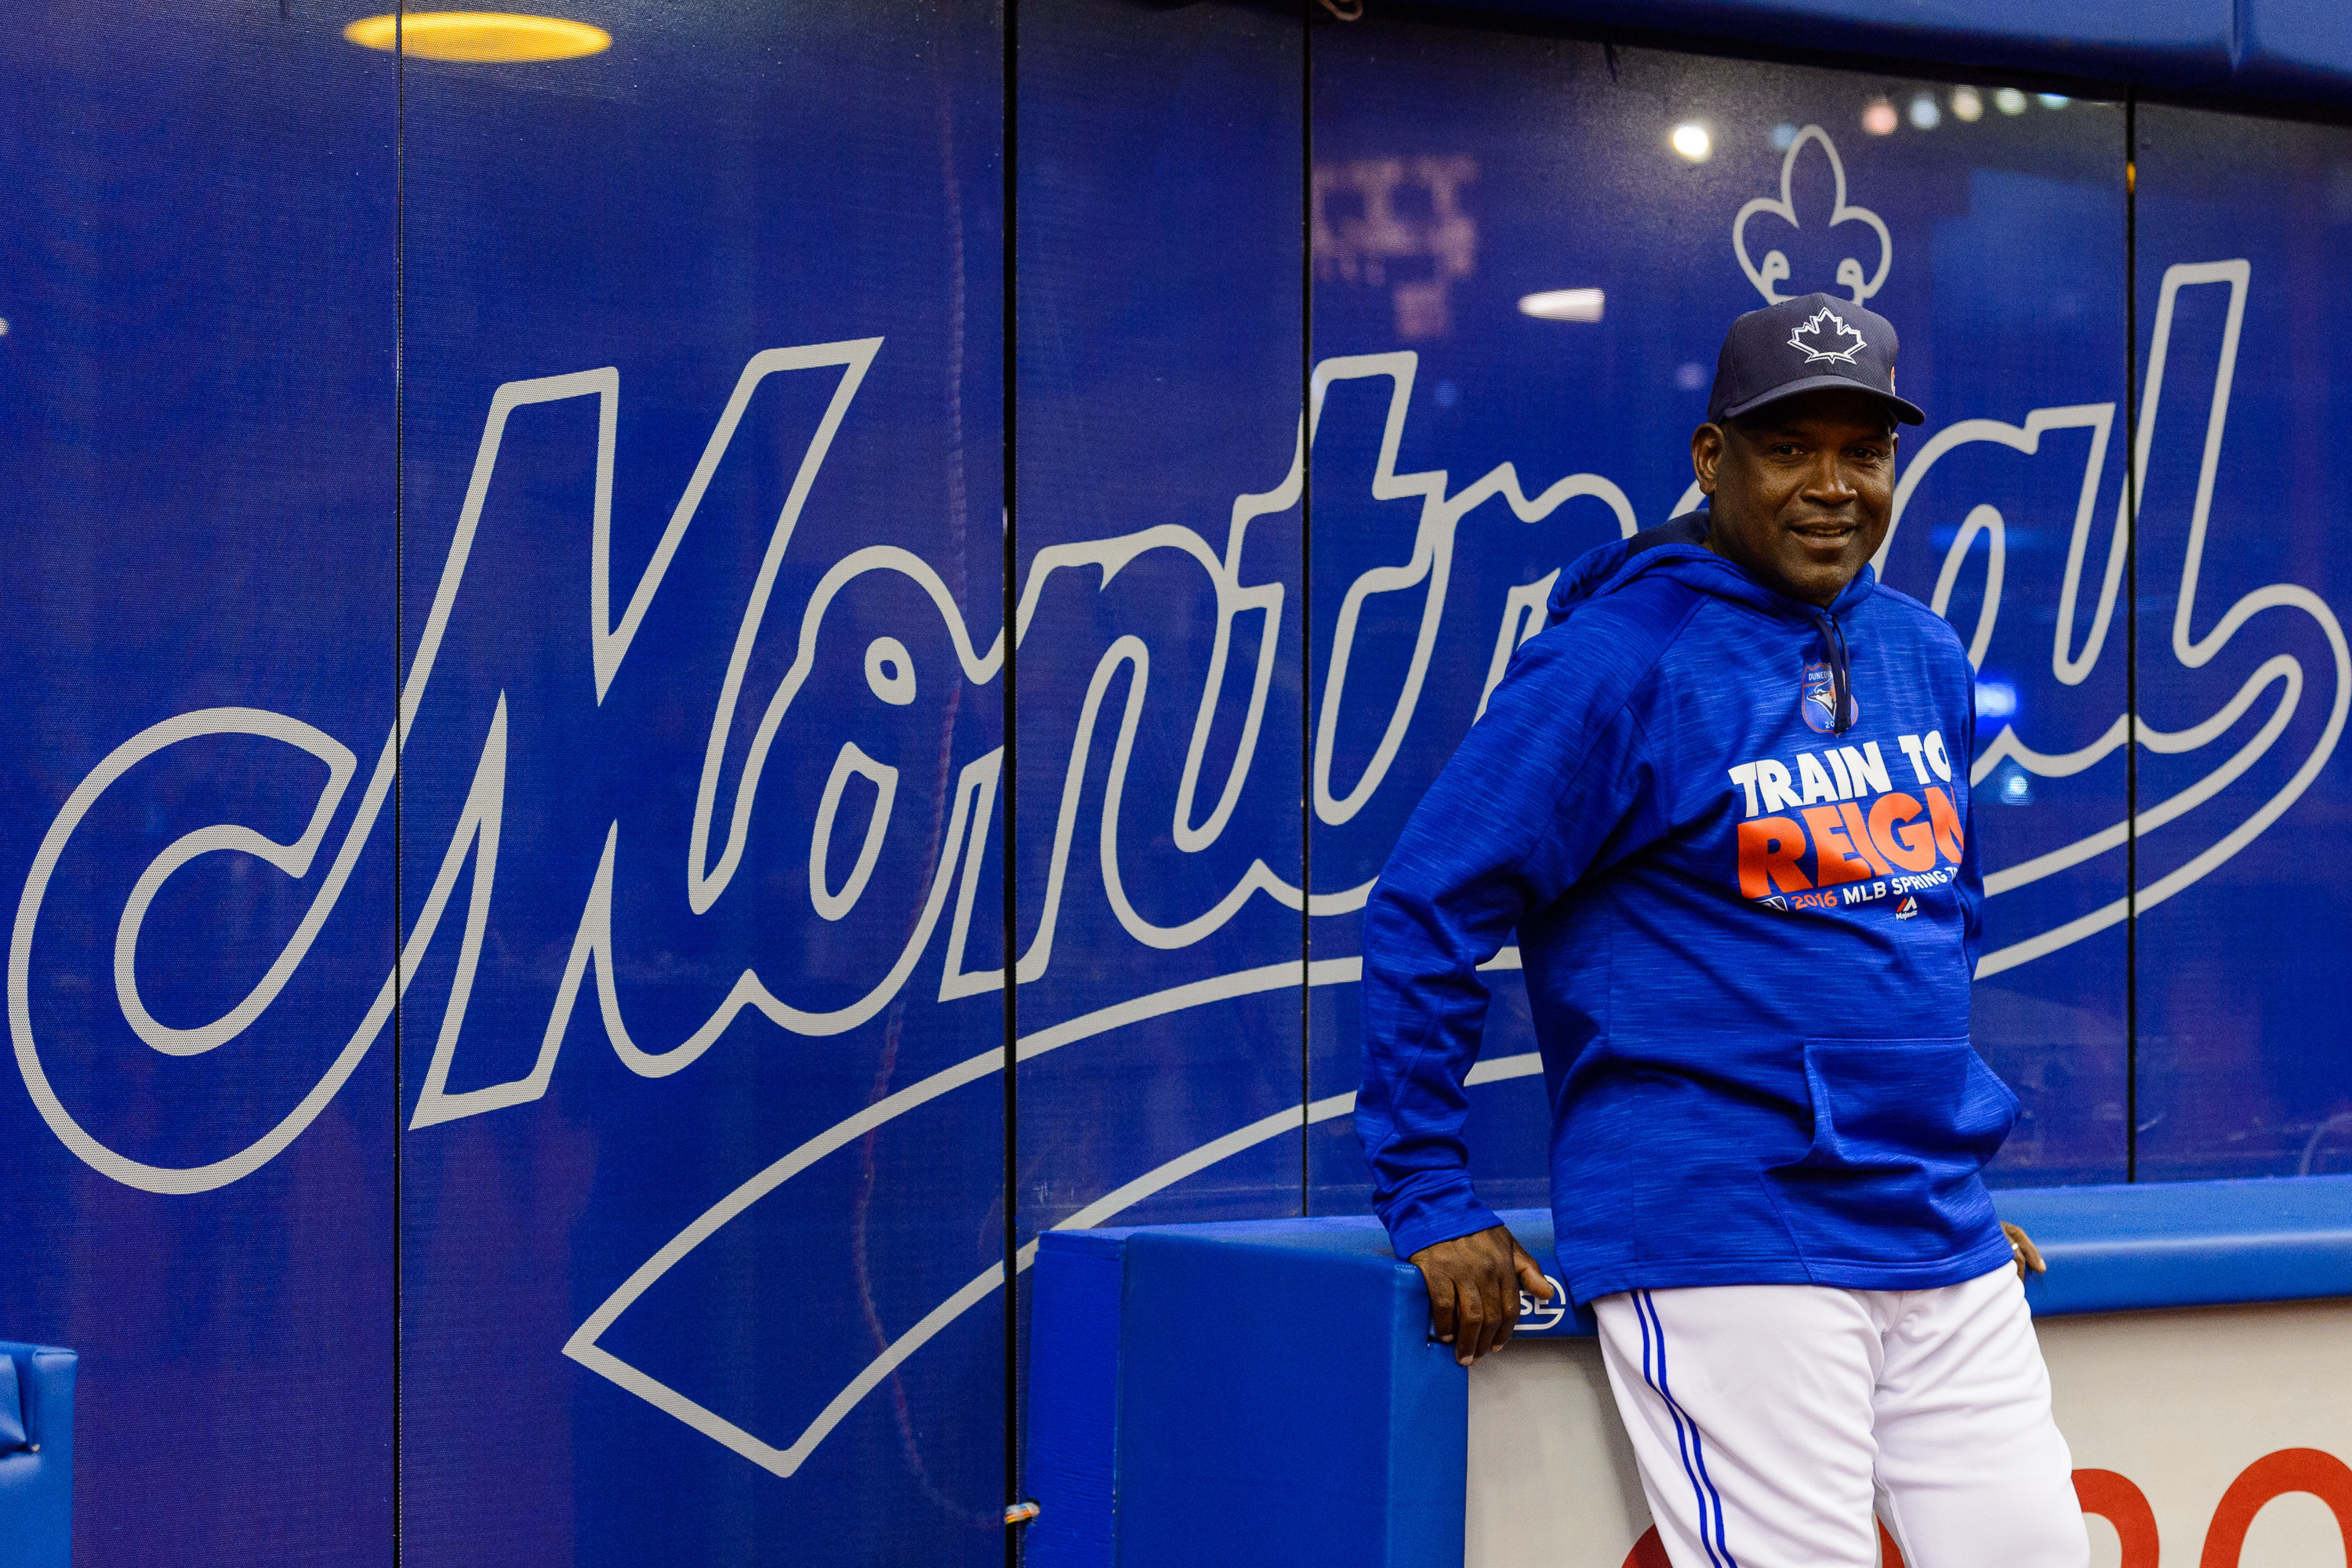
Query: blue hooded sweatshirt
point(1747, 930)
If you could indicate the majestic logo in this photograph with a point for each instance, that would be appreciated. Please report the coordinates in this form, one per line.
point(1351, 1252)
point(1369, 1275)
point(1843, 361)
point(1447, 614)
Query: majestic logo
point(1821, 348)
point(1817, 700)
point(1906, 909)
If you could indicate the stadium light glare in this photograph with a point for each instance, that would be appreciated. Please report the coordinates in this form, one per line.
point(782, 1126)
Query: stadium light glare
point(1564, 305)
point(480, 36)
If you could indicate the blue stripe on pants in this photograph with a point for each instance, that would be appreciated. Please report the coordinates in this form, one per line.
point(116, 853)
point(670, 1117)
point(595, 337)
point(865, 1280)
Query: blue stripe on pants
point(1686, 1436)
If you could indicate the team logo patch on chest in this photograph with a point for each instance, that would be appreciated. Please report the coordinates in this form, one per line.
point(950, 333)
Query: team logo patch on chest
point(1817, 700)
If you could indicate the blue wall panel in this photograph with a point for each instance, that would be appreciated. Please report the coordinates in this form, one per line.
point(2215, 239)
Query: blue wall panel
point(1457, 174)
point(2245, 677)
point(683, 1195)
point(196, 435)
point(1159, 537)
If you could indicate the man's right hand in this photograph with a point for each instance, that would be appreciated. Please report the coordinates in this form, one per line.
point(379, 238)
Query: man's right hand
point(1473, 1290)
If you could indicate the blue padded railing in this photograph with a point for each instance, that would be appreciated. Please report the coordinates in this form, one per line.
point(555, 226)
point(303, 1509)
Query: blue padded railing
point(1265, 1391)
point(37, 1444)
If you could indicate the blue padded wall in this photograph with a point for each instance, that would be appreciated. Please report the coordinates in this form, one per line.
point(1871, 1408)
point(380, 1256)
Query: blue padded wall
point(1398, 1503)
point(2298, 47)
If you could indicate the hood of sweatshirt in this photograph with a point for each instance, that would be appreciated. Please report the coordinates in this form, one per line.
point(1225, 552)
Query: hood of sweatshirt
point(1678, 550)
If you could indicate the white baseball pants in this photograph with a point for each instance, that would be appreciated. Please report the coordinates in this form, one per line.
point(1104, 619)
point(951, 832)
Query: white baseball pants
point(1767, 1419)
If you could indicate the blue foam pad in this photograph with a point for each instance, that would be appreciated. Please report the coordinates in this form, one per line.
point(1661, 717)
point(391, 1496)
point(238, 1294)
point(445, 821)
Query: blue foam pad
point(1073, 1353)
point(1267, 1391)
point(2299, 46)
point(36, 1477)
point(1271, 1403)
point(12, 1408)
point(2183, 1244)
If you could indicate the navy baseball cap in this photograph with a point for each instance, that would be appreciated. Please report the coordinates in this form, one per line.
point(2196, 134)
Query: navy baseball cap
point(1805, 345)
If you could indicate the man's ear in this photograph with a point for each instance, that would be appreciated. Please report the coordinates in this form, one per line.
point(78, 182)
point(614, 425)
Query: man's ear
point(1706, 455)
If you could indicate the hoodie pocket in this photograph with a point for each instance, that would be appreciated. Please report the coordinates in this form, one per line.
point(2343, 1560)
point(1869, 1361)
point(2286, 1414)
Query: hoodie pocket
point(1901, 1129)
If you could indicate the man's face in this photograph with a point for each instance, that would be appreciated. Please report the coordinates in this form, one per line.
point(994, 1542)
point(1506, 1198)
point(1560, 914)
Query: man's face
point(1801, 490)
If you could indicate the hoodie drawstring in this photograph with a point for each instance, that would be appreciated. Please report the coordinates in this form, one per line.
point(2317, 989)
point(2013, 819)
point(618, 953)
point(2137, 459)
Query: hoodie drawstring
point(1840, 674)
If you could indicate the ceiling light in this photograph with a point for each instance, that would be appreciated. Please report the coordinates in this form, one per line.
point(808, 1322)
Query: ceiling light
point(1564, 305)
point(1690, 139)
point(1879, 118)
point(2054, 99)
point(479, 36)
point(1923, 112)
point(2009, 101)
point(1967, 106)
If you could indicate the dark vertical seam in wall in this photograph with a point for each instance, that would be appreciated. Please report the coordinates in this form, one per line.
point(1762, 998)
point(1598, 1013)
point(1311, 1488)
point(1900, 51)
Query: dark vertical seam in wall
point(1305, 591)
point(1009, 773)
point(2131, 637)
point(399, 628)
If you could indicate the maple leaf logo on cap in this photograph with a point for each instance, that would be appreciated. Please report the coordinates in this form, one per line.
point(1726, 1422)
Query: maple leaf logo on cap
point(1822, 337)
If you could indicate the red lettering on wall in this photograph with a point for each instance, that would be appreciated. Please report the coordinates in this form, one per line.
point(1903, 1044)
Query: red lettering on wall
point(2324, 1476)
point(1833, 857)
point(1770, 851)
point(1909, 844)
point(1649, 1551)
point(1945, 818)
point(2122, 1504)
point(2125, 1506)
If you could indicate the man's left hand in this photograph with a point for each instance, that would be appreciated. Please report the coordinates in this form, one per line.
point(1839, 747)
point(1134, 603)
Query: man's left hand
point(2021, 1248)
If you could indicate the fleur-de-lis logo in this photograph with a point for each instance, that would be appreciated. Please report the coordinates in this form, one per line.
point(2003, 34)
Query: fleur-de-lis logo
point(1774, 269)
point(1825, 327)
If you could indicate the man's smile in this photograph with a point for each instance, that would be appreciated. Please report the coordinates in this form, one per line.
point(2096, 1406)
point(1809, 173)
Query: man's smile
point(1826, 534)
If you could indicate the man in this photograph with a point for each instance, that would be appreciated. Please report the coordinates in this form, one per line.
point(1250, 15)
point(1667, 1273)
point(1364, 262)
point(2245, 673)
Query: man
point(1723, 801)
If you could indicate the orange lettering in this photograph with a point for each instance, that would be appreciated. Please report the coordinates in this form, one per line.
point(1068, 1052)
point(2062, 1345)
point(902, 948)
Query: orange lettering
point(1857, 830)
point(2321, 1474)
point(1833, 857)
point(1945, 819)
point(2116, 1500)
point(1649, 1551)
point(1910, 844)
point(1771, 849)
